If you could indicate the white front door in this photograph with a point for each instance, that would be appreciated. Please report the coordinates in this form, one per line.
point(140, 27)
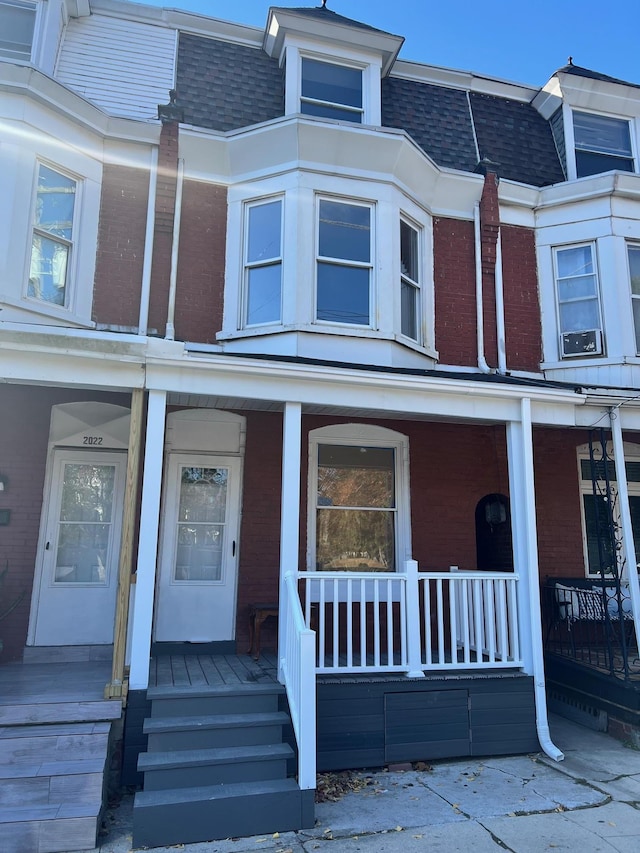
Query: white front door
point(196, 594)
point(79, 550)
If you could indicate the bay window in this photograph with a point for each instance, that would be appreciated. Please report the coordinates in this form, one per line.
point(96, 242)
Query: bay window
point(344, 263)
point(52, 237)
point(409, 281)
point(633, 252)
point(578, 301)
point(263, 263)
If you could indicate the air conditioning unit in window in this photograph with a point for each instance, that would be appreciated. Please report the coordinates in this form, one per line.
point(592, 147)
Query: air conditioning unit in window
point(582, 343)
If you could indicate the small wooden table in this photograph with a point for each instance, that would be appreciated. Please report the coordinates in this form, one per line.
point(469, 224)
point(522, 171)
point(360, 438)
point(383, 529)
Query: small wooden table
point(257, 615)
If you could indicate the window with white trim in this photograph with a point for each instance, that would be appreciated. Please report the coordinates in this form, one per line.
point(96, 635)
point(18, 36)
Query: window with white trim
point(601, 522)
point(578, 301)
point(344, 267)
point(358, 499)
point(17, 27)
point(263, 262)
point(602, 143)
point(410, 275)
point(329, 90)
point(52, 236)
point(633, 253)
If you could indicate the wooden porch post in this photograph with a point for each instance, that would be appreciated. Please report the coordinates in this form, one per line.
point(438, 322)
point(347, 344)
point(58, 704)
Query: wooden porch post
point(629, 549)
point(148, 542)
point(290, 506)
point(117, 687)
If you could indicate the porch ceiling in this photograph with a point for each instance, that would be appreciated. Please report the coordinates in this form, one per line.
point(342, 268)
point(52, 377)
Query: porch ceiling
point(203, 401)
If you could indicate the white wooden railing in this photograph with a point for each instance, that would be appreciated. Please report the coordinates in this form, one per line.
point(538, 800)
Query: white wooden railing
point(297, 666)
point(470, 620)
point(412, 621)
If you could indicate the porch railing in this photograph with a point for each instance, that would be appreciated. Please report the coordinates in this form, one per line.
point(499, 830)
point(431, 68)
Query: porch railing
point(298, 671)
point(412, 621)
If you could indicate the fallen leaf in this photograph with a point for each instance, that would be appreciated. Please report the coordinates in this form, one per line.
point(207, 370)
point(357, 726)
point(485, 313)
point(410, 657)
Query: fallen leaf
point(276, 835)
point(399, 828)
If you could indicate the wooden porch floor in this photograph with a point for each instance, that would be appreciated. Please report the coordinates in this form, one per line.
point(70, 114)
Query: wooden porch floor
point(52, 683)
point(211, 670)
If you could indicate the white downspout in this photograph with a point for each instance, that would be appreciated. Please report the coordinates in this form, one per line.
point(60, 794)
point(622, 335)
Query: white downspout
point(500, 325)
point(173, 280)
point(145, 292)
point(525, 552)
point(482, 362)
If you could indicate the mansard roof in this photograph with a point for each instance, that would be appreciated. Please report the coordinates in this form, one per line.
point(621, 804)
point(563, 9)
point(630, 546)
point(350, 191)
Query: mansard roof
point(225, 86)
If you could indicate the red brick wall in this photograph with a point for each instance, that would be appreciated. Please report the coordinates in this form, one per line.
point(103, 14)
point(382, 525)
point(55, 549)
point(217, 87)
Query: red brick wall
point(24, 436)
point(521, 300)
point(200, 286)
point(455, 291)
point(123, 218)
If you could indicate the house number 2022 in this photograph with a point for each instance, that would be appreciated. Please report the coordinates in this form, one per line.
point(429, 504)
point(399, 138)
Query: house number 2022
point(94, 440)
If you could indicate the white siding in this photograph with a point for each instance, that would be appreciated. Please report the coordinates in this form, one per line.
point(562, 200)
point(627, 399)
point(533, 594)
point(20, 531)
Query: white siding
point(124, 67)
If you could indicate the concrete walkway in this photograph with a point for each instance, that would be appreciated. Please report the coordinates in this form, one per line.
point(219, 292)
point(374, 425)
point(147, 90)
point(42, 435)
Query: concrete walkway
point(527, 804)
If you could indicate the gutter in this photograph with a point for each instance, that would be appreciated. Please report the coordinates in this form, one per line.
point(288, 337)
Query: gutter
point(173, 279)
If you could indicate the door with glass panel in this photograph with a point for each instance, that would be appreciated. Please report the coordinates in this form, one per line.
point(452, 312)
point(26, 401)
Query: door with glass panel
point(196, 594)
point(80, 549)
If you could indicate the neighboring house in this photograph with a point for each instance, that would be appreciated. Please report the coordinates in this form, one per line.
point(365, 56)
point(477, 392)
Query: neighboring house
point(361, 330)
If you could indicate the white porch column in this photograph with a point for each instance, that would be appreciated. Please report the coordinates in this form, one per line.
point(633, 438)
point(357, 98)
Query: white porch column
point(290, 505)
point(630, 572)
point(525, 557)
point(148, 542)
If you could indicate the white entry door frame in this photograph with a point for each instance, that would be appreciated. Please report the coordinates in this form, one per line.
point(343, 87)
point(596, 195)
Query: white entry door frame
point(197, 577)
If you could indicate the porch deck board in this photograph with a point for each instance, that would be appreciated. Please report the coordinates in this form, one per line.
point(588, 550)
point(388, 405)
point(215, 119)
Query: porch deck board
point(210, 670)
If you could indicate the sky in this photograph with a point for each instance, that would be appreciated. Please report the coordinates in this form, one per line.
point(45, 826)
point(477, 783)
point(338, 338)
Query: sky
point(513, 40)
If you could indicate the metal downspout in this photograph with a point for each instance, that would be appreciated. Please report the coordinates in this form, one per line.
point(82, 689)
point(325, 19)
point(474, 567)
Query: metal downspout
point(482, 362)
point(173, 280)
point(147, 261)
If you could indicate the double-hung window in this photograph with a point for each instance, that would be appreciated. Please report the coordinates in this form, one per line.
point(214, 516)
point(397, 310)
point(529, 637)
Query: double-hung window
point(634, 275)
point(52, 241)
point(344, 262)
point(602, 144)
point(329, 90)
point(578, 300)
point(263, 262)
point(17, 25)
point(358, 499)
point(409, 281)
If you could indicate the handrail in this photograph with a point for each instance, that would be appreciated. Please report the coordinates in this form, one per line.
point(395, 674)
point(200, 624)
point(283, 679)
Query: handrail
point(298, 669)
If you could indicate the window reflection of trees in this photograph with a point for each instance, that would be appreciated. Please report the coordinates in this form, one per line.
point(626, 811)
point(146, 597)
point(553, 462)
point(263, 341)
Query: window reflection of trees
point(355, 508)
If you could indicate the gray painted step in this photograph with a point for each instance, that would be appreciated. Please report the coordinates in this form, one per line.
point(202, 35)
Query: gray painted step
point(219, 811)
point(223, 699)
point(214, 730)
point(197, 767)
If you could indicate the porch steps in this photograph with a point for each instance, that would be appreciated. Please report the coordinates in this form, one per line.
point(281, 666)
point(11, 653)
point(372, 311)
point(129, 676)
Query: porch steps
point(216, 767)
point(51, 786)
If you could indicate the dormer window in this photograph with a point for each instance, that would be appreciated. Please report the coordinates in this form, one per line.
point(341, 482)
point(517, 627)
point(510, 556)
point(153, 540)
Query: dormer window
point(17, 26)
point(602, 144)
point(333, 91)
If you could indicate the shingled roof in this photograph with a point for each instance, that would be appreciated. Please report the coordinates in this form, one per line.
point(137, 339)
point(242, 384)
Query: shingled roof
point(225, 86)
point(321, 13)
point(578, 71)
